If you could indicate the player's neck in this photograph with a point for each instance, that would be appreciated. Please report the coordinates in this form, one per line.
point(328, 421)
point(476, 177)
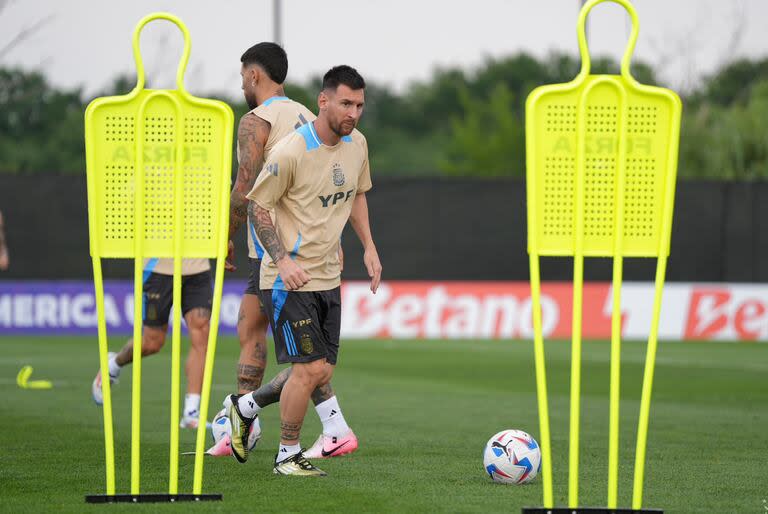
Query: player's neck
point(267, 93)
point(327, 136)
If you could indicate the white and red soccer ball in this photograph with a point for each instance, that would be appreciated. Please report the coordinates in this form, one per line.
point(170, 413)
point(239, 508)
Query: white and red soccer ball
point(512, 457)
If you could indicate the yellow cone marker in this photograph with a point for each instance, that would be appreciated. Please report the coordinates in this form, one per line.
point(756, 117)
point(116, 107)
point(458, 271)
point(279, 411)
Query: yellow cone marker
point(22, 379)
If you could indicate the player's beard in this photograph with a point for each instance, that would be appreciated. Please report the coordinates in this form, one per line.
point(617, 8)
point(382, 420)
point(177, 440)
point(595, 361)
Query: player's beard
point(341, 129)
point(251, 101)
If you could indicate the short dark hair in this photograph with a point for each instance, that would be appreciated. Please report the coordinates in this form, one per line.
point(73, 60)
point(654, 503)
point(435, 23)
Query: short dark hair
point(269, 56)
point(343, 74)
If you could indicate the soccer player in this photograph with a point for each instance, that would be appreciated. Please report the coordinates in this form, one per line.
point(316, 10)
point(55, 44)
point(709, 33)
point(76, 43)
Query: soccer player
point(272, 117)
point(314, 181)
point(196, 297)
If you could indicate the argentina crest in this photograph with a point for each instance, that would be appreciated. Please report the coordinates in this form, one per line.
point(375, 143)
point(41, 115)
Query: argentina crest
point(306, 344)
point(338, 175)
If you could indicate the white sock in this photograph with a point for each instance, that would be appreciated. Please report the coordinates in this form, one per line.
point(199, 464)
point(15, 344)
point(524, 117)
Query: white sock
point(285, 452)
point(334, 424)
point(248, 406)
point(192, 405)
point(114, 367)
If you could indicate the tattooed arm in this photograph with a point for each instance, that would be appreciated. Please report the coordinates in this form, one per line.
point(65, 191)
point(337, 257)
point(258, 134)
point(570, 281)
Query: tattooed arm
point(292, 274)
point(252, 134)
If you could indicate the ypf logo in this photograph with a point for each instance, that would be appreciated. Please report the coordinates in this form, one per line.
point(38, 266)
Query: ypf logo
point(338, 175)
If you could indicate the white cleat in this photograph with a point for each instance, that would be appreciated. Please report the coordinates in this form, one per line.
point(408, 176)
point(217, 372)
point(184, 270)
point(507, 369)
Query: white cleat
point(189, 421)
point(96, 392)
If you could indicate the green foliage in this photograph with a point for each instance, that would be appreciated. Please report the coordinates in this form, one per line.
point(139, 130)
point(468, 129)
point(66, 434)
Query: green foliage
point(488, 138)
point(459, 122)
point(727, 142)
point(40, 128)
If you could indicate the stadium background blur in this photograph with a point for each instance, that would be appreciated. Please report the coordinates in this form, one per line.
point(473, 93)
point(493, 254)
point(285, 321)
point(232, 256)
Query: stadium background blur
point(448, 215)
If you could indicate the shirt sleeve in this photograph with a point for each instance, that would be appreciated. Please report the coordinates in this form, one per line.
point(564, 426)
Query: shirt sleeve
point(275, 179)
point(364, 179)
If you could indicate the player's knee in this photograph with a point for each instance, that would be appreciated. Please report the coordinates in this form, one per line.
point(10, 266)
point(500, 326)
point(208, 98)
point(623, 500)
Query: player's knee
point(261, 324)
point(327, 373)
point(198, 324)
point(152, 341)
point(252, 327)
point(309, 373)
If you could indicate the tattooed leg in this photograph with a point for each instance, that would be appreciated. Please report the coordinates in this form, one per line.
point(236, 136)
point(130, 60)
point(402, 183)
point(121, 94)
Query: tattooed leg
point(269, 393)
point(289, 432)
point(304, 378)
point(252, 331)
point(322, 393)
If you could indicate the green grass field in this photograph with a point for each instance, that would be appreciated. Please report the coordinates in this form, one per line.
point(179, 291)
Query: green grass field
point(422, 411)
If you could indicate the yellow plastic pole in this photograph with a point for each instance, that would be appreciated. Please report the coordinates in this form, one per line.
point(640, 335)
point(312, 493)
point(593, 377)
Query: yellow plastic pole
point(541, 382)
point(573, 445)
point(618, 249)
point(138, 293)
point(178, 237)
point(645, 398)
point(661, 267)
point(98, 285)
point(538, 332)
point(578, 283)
point(197, 480)
point(106, 388)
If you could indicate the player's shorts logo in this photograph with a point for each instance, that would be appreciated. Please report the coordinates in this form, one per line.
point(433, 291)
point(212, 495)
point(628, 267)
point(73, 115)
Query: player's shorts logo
point(306, 344)
point(301, 323)
point(338, 175)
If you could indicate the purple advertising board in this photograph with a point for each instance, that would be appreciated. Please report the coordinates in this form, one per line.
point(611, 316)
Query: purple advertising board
point(69, 307)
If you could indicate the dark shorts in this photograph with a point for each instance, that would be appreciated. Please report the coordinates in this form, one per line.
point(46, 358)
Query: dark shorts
point(254, 276)
point(306, 325)
point(196, 291)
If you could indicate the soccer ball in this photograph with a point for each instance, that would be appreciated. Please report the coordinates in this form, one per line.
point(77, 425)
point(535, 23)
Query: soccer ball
point(512, 457)
point(221, 427)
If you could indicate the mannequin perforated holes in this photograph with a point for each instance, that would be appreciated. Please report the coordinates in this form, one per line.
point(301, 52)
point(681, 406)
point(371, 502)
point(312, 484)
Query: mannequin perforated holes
point(640, 202)
point(198, 129)
point(118, 208)
point(601, 118)
point(599, 183)
point(558, 195)
point(642, 120)
point(560, 118)
point(119, 129)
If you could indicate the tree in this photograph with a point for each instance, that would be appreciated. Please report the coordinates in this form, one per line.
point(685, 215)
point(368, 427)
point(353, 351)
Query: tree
point(488, 138)
point(42, 128)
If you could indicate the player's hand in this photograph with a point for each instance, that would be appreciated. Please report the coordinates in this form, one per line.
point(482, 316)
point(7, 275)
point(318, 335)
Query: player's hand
point(294, 276)
point(229, 264)
point(4, 260)
point(341, 257)
point(373, 265)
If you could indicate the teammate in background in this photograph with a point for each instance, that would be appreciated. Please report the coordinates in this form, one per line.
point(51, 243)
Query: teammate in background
point(272, 117)
point(196, 297)
point(4, 258)
point(314, 182)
